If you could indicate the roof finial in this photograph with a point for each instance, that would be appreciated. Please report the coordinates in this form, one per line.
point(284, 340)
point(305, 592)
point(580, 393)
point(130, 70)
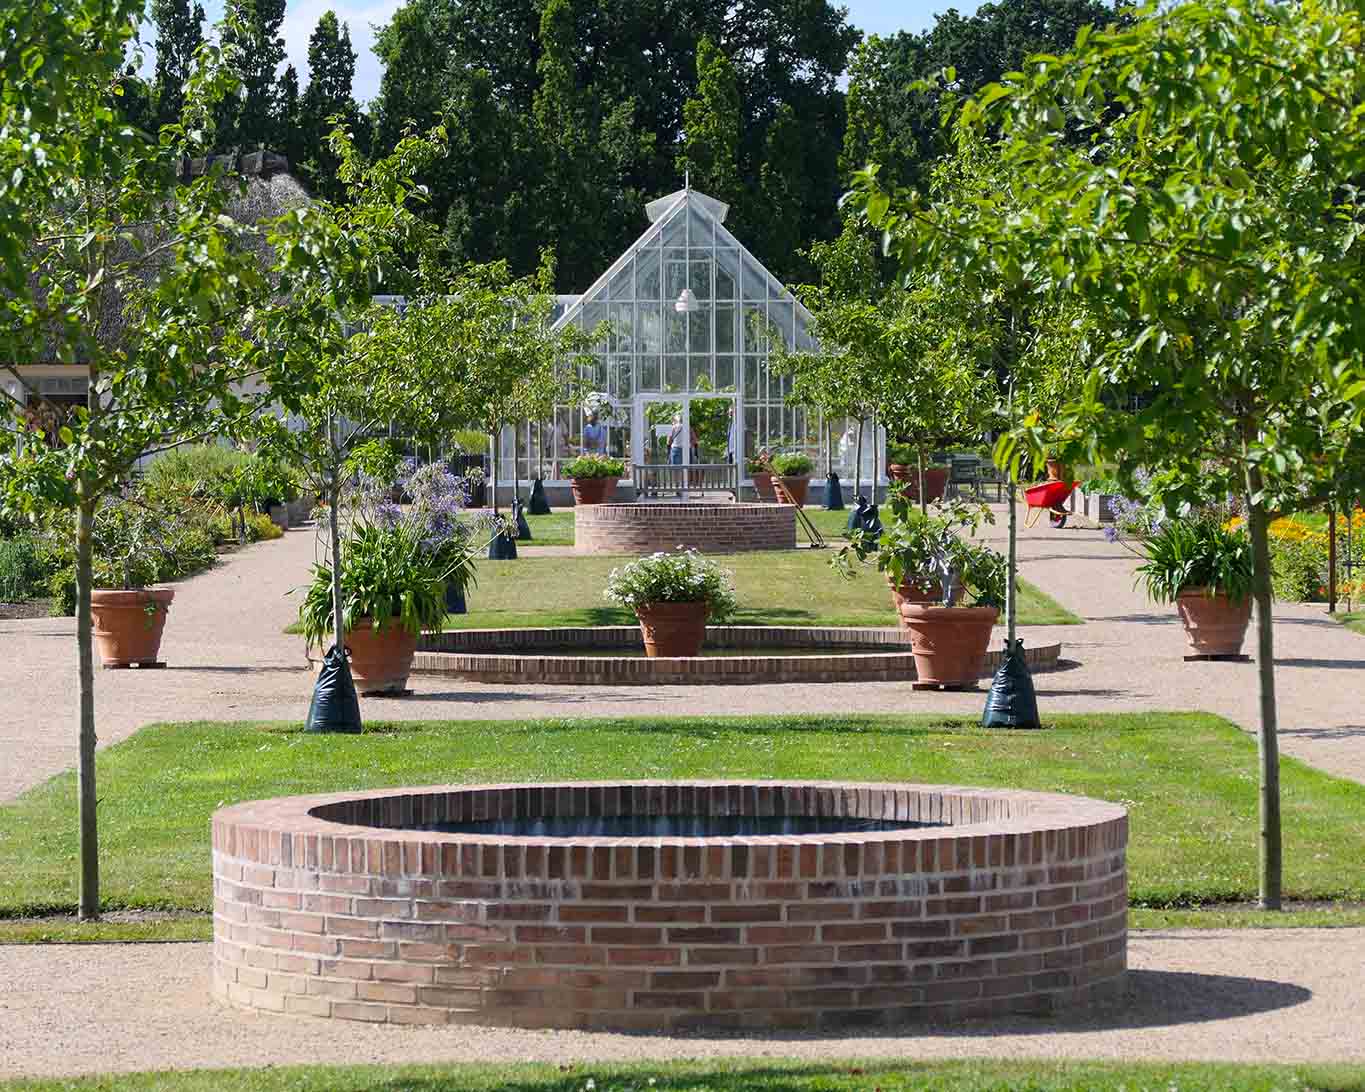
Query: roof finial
point(687, 180)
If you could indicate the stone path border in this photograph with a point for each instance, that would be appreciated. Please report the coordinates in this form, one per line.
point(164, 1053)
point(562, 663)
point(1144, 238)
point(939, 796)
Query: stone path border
point(1238, 996)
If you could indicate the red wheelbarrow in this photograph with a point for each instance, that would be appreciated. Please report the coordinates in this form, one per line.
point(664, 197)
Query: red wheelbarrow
point(1049, 496)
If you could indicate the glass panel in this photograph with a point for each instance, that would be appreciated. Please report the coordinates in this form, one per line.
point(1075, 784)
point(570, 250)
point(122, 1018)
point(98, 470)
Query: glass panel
point(674, 232)
point(701, 227)
point(755, 280)
point(649, 326)
point(725, 373)
point(622, 286)
point(712, 423)
point(780, 314)
point(623, 327)
point(699, 373)
point(663, 435)
point(557, 447)
point(675, 325)
point(593, 315)
point(624, 379)
point(647, 275)
point(725, 329)
point(755, 333)
point(675, 373)
point(699, 331)
point(751, 432)
point(675, 280)
point(649, 373)
point(699, 275)
point(727, 274)
point(751, 377)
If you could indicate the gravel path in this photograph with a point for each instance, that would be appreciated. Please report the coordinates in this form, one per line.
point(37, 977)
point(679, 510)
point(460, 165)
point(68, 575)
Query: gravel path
point(1254, 996)
point(230, 660)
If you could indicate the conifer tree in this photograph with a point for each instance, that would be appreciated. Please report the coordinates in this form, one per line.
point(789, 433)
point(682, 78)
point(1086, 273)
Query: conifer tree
point(257, 51)
point(179, 33)
point(711, 125)
point(331, 67)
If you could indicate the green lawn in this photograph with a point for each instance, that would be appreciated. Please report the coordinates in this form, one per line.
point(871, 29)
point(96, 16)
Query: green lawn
point(740, 1075)
point(1189, 780)
point(775, 587)
point(1354, 620)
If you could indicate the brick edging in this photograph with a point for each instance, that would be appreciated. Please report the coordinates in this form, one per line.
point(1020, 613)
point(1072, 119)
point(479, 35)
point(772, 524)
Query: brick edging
point(709, 528)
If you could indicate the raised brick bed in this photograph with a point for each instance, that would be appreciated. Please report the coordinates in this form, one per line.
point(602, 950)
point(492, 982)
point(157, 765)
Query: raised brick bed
point(557, 656)
point(327, 906)
point(708, 528)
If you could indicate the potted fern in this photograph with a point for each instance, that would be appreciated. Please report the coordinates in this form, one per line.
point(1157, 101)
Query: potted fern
point(1204, 568)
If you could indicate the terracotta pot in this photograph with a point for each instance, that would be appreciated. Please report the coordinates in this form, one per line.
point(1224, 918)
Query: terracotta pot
point(898, 472)
point(797, 488)
point(949, 643)
point(128, 624)
point(935, 482)
point(592, 490)
point(1214, 624)
point(672, 629)
point(1057, 471)
point(763, 485)
point(380, 660)
point(921, 593)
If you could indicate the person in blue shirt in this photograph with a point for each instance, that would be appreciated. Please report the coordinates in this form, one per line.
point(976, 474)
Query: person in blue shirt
point(594, 436)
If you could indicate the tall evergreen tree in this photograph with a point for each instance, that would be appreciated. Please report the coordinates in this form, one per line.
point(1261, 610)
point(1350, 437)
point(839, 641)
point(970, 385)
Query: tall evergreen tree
point(290, 142)
point(711, 126)
point(331, 71)
point(179, 33)
point(253, 33)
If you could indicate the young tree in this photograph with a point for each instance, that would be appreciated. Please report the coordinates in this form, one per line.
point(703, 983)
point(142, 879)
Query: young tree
point(1192, 180)
point(141, 276)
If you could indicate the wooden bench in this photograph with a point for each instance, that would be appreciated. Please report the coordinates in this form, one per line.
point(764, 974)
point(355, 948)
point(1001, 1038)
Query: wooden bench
point(656, 479)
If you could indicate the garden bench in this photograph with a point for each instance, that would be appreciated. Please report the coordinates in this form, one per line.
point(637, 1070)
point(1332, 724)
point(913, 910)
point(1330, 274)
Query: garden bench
point(656, 479)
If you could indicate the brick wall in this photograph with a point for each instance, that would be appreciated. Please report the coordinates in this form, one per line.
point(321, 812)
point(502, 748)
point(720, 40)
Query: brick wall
point(710, 528)
point(324, 907)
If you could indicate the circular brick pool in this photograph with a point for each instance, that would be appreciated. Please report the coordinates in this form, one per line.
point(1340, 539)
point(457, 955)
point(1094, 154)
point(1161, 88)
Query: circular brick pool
point(707, 528)
point(344, 906)
point(737, 655)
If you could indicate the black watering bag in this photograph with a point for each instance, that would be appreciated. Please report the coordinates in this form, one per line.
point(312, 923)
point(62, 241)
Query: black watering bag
point(335, 707)
point(1011, 702)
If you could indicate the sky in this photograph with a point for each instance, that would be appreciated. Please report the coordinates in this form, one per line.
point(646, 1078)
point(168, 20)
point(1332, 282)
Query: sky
point(301, 16)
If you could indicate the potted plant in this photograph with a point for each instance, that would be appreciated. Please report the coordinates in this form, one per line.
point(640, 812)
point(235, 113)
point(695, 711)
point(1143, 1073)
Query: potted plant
point(393, 587)
point(932, 569)
point(674, 596)
point(794, 469)
point(902, 465)
point(476, 484)
point(127, 615)
point(1100, 497)
point(593, 477)
point(761, 476)
point(1203, 568)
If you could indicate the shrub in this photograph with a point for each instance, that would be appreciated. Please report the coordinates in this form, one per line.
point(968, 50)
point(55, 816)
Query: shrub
point(682, 577)
point(594, 466)
point(261, 528)
point(62, 587)
point(196, 470)
point(793, 465)
point(23, 568)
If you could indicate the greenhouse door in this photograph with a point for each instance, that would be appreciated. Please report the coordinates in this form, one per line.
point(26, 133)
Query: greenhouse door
point(686, 430)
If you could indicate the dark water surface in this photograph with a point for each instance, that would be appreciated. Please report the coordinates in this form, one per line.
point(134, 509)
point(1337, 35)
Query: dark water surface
point(674, 826)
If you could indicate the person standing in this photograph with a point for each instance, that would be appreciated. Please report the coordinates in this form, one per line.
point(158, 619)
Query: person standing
point(594, 436)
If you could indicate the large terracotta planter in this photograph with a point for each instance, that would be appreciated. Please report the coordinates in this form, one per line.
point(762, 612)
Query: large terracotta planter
point(592, 490)
point(128, 624)
point(1057, 471)
point(949, 643)
point(763, 485)
point(1214, 624)
point(673, 629)
point(935, 483)
point(899, 472)
point(381, 660)
point(797, 488)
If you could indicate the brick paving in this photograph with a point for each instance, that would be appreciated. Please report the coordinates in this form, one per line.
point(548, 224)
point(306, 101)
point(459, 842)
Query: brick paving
point(230, 660)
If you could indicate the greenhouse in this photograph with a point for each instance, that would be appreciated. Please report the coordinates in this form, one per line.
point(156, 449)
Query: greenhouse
point(684, 376)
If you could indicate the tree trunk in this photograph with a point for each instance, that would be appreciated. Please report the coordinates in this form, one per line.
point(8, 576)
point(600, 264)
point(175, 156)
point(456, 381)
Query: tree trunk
point(876, 458)
point(1268, 739)
point(919, 461)
point(1012, 572)
point(493, 466)
point(829, 448)
point(858, 462)
point(334, 535)
point(89, 907)
point(1332, 558)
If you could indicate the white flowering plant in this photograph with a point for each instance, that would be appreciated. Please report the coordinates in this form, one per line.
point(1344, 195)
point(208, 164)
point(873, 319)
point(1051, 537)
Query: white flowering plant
point(681, 577)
